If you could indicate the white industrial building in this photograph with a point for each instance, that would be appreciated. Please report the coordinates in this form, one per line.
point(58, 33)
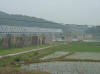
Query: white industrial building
point(21, 30)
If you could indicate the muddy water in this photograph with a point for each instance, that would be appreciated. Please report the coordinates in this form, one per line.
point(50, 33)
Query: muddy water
point(66, 67)
point(85, 55)
point(55, 55)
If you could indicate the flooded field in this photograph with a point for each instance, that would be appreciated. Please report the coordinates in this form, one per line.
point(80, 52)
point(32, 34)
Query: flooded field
point(68, 67)
point(85, 55)
point(65, 67)
point(55, 55)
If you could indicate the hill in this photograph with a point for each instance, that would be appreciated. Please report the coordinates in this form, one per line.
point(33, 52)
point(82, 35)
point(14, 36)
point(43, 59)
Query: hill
point(23, 20)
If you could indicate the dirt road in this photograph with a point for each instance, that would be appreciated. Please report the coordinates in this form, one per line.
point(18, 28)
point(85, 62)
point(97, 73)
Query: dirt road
point(3, 56)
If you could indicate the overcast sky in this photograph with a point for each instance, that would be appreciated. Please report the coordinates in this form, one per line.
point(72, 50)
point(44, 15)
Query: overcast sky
point(62, 11)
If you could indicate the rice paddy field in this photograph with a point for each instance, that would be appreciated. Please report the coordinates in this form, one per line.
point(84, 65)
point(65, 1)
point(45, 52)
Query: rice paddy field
point(85, 55)
point(81, 50)
point(55, 55)
point(65, 67)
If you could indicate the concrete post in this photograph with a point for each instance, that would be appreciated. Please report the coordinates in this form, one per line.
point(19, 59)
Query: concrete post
point(35, 40)
point(6, 42)
point(18, 42)
point(80, 37)
point(69, 37)
point(27, 41)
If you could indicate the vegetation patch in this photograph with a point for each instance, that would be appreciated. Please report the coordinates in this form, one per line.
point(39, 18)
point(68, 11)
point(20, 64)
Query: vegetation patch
point(34, 57)
point(8, 70)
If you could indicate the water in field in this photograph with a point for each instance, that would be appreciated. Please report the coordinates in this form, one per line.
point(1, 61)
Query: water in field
point(55, 55)
point(85, 55)
point(66, 67)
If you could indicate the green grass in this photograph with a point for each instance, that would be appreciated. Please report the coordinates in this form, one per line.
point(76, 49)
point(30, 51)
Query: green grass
point(28, 56)
point(75, 46)
point(15, 50)
point(32, 55)
point(81, 47)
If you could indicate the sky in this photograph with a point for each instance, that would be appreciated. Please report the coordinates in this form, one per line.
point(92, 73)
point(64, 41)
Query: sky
point(62, 11)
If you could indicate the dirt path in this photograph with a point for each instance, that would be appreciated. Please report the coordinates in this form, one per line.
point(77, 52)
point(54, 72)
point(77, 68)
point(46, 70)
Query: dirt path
point(3, 56)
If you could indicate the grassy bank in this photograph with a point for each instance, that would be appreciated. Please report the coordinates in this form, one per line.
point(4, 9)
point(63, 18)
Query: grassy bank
point(75, 46)
point(16, 50)
point(7, 61)
point(9, 70)
point(81, 47)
